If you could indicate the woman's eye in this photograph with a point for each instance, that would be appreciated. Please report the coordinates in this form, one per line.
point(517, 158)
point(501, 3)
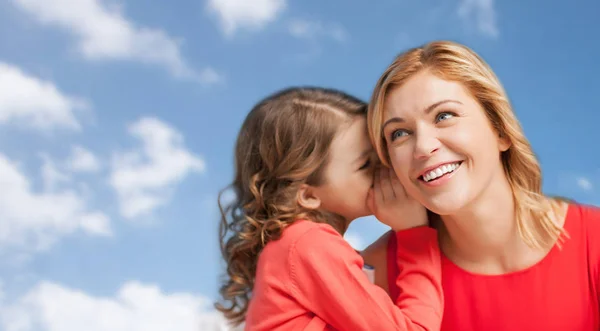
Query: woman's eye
point(398, 134)
point(443, 116)
point(366, 165)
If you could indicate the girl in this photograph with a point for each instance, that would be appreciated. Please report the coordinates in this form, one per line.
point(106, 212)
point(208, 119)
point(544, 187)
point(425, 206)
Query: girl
point(512, 258)
point(303, 172)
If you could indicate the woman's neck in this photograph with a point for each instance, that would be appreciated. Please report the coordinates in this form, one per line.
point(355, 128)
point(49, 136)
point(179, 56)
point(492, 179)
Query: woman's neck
point(483, 237)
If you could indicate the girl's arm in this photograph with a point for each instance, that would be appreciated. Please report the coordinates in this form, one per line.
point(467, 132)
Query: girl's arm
point(375, 255)
point(327, 279)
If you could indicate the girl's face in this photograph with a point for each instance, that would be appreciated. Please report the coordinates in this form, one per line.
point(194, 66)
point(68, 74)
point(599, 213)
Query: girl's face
point(348, 175)
point(441, 144)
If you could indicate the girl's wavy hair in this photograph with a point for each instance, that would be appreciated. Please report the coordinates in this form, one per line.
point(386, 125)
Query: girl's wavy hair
point(283, 143)
point(455, 62)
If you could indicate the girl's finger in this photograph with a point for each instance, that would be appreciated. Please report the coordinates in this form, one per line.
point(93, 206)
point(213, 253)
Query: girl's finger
point(386, 185)
point(371, 200)
point(378, 195)
point(398, 188)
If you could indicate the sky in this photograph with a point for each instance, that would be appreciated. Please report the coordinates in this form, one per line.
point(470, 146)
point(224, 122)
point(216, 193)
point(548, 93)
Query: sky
point(118, 120)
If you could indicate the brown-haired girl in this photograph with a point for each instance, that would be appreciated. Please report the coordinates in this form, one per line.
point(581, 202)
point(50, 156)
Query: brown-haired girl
point(304, 171)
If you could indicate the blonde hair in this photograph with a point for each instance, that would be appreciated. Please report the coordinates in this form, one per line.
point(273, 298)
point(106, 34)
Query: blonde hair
point(283, 143)
point(535, 213)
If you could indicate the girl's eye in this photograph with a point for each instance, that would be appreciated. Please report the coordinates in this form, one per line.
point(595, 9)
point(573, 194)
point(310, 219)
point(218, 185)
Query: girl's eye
point(443, 116)
point(398, 134)
point(366, 165)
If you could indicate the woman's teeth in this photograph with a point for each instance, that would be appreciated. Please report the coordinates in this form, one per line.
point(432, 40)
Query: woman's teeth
point(440, 171)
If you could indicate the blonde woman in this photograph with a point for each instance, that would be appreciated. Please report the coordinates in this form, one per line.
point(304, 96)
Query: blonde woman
point(512, 258)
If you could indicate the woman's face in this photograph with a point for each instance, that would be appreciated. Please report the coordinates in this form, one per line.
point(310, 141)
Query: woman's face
point(440, 142)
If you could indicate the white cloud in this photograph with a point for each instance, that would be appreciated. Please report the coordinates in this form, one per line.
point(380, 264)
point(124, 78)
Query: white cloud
point(585, 184)
point(34, 221)
point(228, 196)
point(311, 30)
point(32, 102)
point(482, 11)
point(104, 33)
point(145, 178)
point(82, 160)
point(210, 76)
point(355, 240)
point(51, 175)
point(135, 307)
point(97, 223)
point(239, 14)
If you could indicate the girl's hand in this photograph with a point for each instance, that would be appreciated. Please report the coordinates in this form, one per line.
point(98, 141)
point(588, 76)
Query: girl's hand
point(388, 201)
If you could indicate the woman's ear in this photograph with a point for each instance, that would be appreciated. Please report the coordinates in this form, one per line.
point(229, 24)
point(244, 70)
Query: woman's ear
point(307, 197)
point(503, 143)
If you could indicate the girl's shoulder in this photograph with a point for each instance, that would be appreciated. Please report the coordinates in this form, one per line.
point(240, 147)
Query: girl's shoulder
point(302, 233)
point(309, 246)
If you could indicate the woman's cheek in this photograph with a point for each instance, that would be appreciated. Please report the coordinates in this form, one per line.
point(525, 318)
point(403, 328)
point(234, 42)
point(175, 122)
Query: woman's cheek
point(401, 165)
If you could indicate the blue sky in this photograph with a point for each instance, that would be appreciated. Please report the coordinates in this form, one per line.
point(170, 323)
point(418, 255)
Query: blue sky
point(118, 118)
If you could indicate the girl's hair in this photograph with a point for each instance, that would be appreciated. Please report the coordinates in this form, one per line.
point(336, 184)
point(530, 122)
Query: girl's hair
point(283, 143)
point(451, 61)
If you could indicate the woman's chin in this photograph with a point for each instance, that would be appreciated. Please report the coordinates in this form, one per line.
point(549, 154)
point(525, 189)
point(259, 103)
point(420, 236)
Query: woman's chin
point(443, 207)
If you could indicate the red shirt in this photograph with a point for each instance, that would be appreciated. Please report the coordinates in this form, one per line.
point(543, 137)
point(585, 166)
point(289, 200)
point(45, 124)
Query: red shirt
point(561, 292)
point(312, 279)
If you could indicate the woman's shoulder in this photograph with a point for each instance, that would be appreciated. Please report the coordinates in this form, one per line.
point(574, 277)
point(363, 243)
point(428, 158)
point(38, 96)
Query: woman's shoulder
point(587, 215)
point(585, 219)
point(377, 251)
point(376, 256)
point(582, 223)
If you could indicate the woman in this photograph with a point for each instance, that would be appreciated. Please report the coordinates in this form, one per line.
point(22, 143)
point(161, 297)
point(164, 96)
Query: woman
point(512, 258)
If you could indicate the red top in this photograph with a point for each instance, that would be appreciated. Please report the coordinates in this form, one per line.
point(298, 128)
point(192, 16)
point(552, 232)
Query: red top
point(312, 279)
point(561, 292)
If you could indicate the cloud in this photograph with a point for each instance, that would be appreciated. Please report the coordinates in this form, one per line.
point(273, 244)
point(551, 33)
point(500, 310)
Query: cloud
point(97, 223)
point(355, 240)
point(243, 14)
point(210, 76)
point(104, 33)
point(82, 160)
point(34, 221)
point(51, 175)
point(585, 184)
point(144, 178)
point(135, 307)
point(483, 13)
point(304, 29)
point(32, 102)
